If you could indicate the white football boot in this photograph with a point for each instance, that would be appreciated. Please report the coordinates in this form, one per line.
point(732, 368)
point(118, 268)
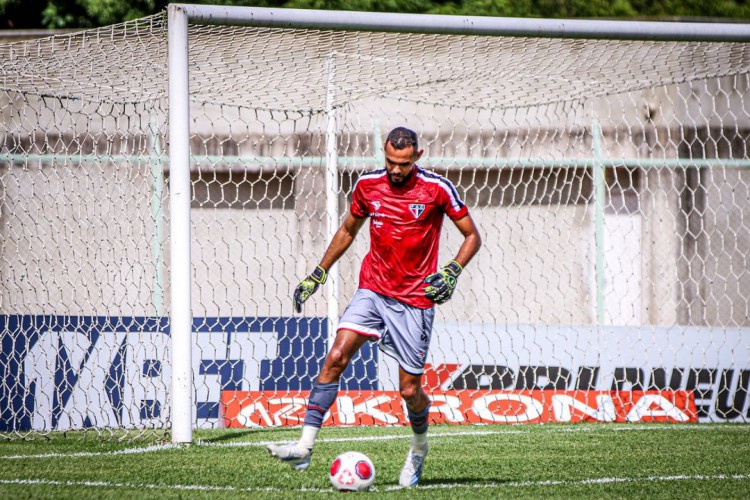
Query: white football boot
point(293, 454)
point(412, 471)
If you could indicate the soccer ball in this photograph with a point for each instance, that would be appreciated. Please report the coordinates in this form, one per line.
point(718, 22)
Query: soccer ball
point(352, 471)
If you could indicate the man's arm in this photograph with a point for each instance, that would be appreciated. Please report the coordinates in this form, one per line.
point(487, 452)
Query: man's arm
point(472, 240)
point(440, 285)
point(341, 241)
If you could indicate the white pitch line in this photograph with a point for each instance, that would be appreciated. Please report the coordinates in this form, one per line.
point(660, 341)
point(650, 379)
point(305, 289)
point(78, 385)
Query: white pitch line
point(443, 486)
point(687, 427)
point(128, 451)
point(359, 439)
point(144, 486)
point(242, 444)
point(517, 429)
point(601, 480)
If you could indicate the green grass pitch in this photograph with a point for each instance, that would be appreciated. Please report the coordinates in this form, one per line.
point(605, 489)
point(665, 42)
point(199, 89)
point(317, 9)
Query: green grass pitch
point(522, 461)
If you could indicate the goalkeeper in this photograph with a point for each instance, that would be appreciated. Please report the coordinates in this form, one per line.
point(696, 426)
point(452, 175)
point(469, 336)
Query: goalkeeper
point(399, 285)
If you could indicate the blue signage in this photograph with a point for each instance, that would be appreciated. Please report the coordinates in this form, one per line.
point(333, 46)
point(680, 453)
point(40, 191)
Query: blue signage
point(67, 372)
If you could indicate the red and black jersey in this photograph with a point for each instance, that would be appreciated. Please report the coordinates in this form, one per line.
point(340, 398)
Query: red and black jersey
point(405, 224)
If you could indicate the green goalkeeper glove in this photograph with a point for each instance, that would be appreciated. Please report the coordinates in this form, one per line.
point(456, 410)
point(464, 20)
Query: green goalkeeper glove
point(308, 286)
point(440, 285)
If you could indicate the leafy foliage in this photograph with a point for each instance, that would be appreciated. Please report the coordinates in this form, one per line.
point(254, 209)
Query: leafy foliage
point(92, 13)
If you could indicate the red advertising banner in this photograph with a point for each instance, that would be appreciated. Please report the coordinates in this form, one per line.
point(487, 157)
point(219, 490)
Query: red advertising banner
point(373, 408)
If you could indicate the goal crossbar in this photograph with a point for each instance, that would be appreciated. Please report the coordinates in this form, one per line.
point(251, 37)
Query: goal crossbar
point(464, 25)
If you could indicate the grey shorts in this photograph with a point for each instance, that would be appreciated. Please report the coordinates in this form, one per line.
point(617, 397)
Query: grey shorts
point(402, 331)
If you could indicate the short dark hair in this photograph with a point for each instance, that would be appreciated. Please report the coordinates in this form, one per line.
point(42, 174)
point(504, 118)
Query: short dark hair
point(402, 138)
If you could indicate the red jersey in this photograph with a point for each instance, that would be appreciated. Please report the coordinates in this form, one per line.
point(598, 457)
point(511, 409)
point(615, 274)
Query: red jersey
point(405, 224)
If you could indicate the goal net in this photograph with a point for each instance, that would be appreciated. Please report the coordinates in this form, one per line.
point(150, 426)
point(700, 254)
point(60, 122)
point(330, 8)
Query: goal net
point(609, 178)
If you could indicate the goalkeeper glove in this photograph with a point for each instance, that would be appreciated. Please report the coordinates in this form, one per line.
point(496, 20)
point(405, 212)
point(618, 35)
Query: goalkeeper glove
point(308, 286)
point(440, 285)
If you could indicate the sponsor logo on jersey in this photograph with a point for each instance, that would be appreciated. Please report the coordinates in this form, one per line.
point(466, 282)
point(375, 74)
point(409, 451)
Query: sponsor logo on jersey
point(376, 205)
point(416, 209)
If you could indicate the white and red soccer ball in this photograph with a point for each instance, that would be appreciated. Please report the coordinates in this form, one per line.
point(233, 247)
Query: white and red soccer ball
point(352, 471)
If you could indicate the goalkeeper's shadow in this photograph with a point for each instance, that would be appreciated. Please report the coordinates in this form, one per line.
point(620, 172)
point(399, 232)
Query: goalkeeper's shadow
point(486, 479)
point(234, 435)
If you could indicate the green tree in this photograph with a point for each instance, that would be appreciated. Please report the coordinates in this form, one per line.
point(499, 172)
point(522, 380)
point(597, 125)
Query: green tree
point(87, 13)
point(90, 13)
point(403, 6)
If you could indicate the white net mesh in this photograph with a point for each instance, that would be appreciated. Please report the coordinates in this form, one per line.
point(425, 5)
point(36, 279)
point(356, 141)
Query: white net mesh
point(609, 180)
point(82, 202)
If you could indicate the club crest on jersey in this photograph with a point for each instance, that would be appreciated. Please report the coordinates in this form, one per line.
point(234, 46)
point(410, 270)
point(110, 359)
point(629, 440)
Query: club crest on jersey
point(416, 209)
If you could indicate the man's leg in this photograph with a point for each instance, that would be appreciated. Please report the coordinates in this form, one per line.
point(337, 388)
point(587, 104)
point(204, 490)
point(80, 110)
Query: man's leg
point(418, 407)
point(322, 396)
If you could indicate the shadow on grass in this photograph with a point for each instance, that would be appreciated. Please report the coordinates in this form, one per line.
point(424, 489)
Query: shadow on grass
point(466, 480)
point(231, 436)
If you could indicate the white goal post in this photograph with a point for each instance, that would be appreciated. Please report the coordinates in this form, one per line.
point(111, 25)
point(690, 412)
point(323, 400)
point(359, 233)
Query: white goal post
point(605, 162)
